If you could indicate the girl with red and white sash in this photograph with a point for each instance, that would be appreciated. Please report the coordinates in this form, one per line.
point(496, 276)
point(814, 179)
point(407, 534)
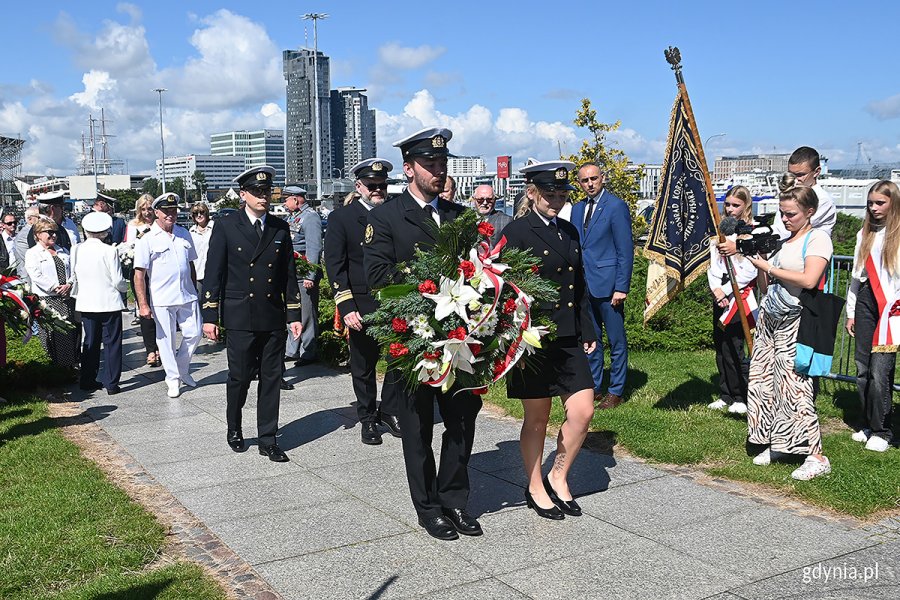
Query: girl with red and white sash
point(728, 334)
point(873, 312)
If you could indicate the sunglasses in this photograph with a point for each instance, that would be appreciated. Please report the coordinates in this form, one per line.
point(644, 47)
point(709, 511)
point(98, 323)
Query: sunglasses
point(9, 222)
point(53, 232)
point(376, 186)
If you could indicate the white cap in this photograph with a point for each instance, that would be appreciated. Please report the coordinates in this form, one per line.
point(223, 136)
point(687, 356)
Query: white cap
point(96, 222)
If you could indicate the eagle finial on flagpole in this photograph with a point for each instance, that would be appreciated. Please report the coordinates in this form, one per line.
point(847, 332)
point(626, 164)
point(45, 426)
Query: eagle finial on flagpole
point(673, 57)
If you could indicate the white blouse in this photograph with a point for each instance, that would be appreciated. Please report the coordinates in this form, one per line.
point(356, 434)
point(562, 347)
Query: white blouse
point(41, 269)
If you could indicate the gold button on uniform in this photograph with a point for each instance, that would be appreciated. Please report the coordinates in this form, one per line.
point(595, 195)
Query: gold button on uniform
point(546, 252)
point(571, 269)
point(251, 294)
point(239, 248)
point(251, 280)
point(557, 305)
point(268, 295)
point(559, 269)
point(251, 264)
point(569, 305)
point(571, 287)
point(270, 266)
point(270, 280)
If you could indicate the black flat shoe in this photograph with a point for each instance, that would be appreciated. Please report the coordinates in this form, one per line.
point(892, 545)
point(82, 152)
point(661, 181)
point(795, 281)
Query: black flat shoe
point(548, 513)
point(286, 386)
point(570, 507)
point(391, 422)
point(91, 387)
point(112, 391)
point(462, 521)
point(236, 440)
point(274, 453)
point(370, 434)
point(439, 527)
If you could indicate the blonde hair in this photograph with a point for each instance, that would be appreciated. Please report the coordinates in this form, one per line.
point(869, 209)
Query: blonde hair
point(527, 204)
point(44, 223)
point(143, 200)
point(744, 195)
point(891, 227)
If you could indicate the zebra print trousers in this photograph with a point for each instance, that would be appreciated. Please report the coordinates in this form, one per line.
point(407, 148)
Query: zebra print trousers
point(781, 410)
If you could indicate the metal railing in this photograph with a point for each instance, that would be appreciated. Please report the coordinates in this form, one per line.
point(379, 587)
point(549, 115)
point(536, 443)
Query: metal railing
point(843, 366)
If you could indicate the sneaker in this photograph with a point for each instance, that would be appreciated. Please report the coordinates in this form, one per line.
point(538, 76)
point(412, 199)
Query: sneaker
point(738, 408)
point(174, 389)
point(878, 444)
point(188, 380)
point(861, 436)
point(717, 405)
point(763, 458)
point(812, 467)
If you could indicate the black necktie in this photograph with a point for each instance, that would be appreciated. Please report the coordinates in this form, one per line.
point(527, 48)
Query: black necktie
point(590, 211)
point(555, 229)
point(429, 210)
point(258, 227)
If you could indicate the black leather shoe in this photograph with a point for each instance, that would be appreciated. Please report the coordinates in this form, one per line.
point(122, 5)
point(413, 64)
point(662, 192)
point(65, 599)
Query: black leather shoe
point(439, 527)
point(391, 422)
point(274, 453)
point(236, 440)
point(462, 521)
point(113, 390)
point(91, 387)
point(303, 362)
point(570, 507)
point(370, 434)
point(286, 386)
point(548, 513)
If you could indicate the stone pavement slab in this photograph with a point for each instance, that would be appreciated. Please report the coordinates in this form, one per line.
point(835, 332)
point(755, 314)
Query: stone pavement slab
point(337, 521)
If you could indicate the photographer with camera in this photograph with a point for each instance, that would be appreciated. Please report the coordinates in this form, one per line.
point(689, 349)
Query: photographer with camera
point(781, 411)
point(728, 334)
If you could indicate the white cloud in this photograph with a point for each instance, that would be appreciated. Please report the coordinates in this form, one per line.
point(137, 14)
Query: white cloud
point(395, 56)
point(96, 84)
point(889, 108)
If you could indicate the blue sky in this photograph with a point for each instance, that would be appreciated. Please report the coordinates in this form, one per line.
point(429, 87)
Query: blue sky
point(506, 77)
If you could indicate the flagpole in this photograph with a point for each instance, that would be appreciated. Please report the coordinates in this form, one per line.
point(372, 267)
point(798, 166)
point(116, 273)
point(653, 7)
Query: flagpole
point(673, 57)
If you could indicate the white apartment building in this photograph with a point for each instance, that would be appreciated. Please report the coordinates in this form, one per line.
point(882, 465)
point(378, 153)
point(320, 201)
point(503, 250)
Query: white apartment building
point(219, 171)
point(261, 147)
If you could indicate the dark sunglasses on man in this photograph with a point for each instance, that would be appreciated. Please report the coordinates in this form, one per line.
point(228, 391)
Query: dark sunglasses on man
point(377, 185)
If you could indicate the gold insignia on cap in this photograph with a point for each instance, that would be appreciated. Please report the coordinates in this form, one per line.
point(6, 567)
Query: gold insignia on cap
point(438, 141)
point(370, 233)
point(377, 166)
point(262, 176)
point(562, 173)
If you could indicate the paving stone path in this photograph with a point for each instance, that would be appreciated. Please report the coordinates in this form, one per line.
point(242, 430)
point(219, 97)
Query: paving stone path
point(337, 521)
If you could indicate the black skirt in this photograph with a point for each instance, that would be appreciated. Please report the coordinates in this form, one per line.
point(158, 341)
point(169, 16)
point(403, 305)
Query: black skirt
point(559, 369)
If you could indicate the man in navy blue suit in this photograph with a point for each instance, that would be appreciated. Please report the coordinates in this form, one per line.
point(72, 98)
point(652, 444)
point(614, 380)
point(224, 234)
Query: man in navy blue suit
point(604, 224)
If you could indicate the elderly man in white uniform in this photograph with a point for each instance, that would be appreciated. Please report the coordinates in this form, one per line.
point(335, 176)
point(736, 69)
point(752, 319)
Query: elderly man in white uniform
point(166, 253)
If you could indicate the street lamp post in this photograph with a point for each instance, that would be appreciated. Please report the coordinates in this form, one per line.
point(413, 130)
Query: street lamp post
point(162, 142)
point(314, 17)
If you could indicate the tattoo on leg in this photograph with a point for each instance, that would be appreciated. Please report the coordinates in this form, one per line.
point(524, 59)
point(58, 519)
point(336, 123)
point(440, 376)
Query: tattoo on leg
point(560, 462)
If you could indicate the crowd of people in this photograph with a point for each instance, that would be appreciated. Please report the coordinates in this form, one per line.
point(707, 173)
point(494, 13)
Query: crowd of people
point(239, 274)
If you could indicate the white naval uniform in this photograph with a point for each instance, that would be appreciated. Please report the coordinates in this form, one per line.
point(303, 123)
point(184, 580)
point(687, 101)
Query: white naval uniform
point(173, 296)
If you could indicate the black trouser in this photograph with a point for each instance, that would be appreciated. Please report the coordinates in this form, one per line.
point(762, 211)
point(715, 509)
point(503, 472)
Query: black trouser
point(105, 327)
point(250, 352)
point(432, 488)
point(364, 353)
point(874, 370)
point(734, 368)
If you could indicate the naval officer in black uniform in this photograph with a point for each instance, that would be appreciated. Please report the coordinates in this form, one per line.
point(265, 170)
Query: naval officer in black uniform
point(344, 265)
point(562, 365)
point(395, 230)
point(250, 265)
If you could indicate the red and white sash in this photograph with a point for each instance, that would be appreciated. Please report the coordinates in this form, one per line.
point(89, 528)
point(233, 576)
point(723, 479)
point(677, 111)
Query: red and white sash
point(751, 308)
point(887, 331)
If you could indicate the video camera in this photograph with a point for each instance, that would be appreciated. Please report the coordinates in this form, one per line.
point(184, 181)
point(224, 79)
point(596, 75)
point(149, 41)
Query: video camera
point(763, 239)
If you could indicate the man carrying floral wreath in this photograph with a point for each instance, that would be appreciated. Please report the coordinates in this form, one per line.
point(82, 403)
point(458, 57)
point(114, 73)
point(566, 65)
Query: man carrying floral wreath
point(394, 232)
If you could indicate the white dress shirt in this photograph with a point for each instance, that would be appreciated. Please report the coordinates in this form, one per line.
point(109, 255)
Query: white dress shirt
point(167, 258)
point(97, 272)
point(200, 237)
point(41, 269)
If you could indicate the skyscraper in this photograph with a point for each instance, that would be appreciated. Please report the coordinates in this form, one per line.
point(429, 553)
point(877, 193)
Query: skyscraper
point(352, 128)
point(262, 147)
point(300, 152)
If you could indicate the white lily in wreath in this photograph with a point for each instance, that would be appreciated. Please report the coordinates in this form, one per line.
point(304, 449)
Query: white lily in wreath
point(457, 355)
point(453, 297)
point(478, 280)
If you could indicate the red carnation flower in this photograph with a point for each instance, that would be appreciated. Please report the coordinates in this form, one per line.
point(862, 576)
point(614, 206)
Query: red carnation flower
point(534, 268)
point(475, 348)
point(509, 307)
point(428, 287)
point(296, 255)
point(457, 334)
point(467, 267)
point(431, 355)
point(398, 350)
point(486, 229)
point(399, 325)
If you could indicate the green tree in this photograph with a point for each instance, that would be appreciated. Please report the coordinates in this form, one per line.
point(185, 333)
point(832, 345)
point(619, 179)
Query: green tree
point(176, 186)
point(200, 186)
point(151, 186)
point(621, 180)
point(125, 199)
point(229, 203)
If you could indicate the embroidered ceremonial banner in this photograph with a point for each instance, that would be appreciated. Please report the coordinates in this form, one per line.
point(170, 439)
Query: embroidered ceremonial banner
point(682, 220)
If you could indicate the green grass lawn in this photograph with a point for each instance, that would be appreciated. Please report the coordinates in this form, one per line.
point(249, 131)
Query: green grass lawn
point(666, 420)
point(65, 530)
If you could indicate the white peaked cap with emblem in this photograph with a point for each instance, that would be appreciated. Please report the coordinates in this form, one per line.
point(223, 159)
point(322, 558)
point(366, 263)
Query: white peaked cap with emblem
point(96, 222)
point(371, 167)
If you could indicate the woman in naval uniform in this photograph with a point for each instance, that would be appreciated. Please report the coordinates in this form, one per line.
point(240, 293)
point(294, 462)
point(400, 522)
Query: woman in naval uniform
point(563, 368)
